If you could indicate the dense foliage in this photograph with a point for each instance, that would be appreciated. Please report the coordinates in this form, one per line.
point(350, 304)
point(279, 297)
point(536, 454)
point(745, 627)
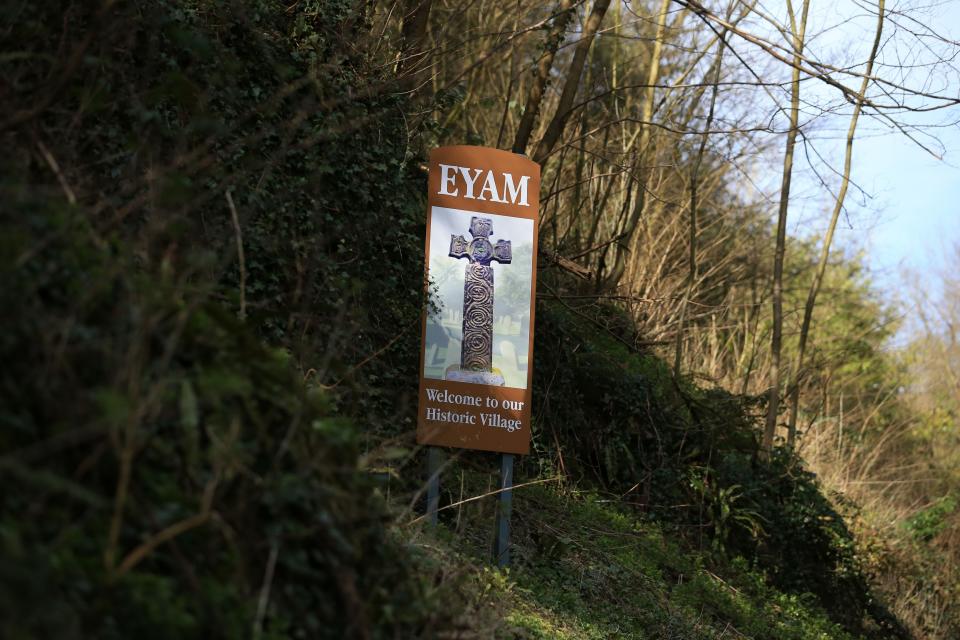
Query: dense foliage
point(689, 457)
point(211, 264)
point(170, 464)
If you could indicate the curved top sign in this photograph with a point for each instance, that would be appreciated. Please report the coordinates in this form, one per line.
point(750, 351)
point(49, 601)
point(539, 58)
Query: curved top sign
point(481, 247)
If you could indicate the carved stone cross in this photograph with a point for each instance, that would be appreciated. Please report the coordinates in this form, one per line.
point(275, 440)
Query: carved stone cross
point(476, 350)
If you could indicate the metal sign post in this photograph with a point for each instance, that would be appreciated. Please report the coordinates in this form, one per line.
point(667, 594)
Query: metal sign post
point(434, 463)
point(501, 541)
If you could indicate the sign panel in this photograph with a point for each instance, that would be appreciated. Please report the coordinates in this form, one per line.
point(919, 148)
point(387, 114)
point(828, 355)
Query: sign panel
point(476, 364)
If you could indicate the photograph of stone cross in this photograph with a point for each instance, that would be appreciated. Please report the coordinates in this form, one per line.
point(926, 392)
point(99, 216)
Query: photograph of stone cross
point(476, 348)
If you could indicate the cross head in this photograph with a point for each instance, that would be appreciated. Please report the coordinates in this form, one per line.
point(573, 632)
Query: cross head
point(480, 250)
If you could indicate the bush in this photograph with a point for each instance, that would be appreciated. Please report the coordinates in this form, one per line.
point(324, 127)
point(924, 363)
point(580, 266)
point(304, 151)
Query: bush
point(173, 463)
point(690, 457)
point(164, 470)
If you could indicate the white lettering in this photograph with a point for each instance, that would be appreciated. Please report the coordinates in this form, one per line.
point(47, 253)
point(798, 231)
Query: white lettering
point(448, 177)
point(491, 186)
point(465, 172)
point(437, 415)
point(435, 395)
point(513, 192)
point(497, 421)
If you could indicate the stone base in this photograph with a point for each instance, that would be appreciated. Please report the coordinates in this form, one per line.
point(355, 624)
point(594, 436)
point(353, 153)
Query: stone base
point(490, 378)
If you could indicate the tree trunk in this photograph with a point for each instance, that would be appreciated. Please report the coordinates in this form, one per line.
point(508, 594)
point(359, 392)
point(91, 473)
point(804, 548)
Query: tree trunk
point(621, 246)
point(542, 76)
point(773, 406)
point(413, 32)
point(828, 237)
point(694, 184)
point(572, 83)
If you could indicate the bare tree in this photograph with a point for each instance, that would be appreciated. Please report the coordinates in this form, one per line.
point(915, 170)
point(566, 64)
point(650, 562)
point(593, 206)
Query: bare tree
point(694, 192)
point(831, 228)
point(542, 75)
point(572, 84)
point(798, 30)
point(413, 30)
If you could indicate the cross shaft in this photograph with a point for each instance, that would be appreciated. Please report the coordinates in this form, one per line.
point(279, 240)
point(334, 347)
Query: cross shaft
point(476, 349)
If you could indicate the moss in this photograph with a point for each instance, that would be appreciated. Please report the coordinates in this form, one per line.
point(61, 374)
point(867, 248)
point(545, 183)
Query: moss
point(585, 569)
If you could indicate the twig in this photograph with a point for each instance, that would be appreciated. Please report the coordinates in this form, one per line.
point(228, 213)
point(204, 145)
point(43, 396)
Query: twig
point(558, 298)
point(134, 557)
point(52, 162)
point(566, 264)
point(265, 591)
point(374, 354)
point(488, 494)
point(243, 265)
point(119, 502)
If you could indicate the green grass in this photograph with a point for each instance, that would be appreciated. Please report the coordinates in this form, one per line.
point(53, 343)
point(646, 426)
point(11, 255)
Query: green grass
point(583, 569)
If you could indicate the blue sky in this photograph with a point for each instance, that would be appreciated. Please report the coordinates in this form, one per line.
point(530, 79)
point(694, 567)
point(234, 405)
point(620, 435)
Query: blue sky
point(907, 213)
point(915, 207)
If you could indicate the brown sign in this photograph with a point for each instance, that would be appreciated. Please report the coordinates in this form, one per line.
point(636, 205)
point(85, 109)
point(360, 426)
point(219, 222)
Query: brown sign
point(476, 365)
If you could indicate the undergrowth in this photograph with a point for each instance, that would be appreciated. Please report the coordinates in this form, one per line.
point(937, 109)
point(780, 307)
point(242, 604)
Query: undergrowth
point(188, 427)
point(585, 569)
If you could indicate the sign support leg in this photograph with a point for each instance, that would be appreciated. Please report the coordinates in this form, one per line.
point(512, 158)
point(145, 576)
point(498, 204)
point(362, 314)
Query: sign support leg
point(501, 542)
point(434, 462)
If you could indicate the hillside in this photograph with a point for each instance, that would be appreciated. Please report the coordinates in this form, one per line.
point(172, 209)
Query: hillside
point(213, 225)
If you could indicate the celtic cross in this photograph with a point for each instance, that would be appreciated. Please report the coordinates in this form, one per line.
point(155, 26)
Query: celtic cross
point(476, 350)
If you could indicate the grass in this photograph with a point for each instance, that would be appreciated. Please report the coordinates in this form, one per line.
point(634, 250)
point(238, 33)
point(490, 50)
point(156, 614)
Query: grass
point(584, 569)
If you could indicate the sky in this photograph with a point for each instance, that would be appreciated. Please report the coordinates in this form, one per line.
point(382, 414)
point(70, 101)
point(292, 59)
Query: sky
point(916, 204)
point(905, 215)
